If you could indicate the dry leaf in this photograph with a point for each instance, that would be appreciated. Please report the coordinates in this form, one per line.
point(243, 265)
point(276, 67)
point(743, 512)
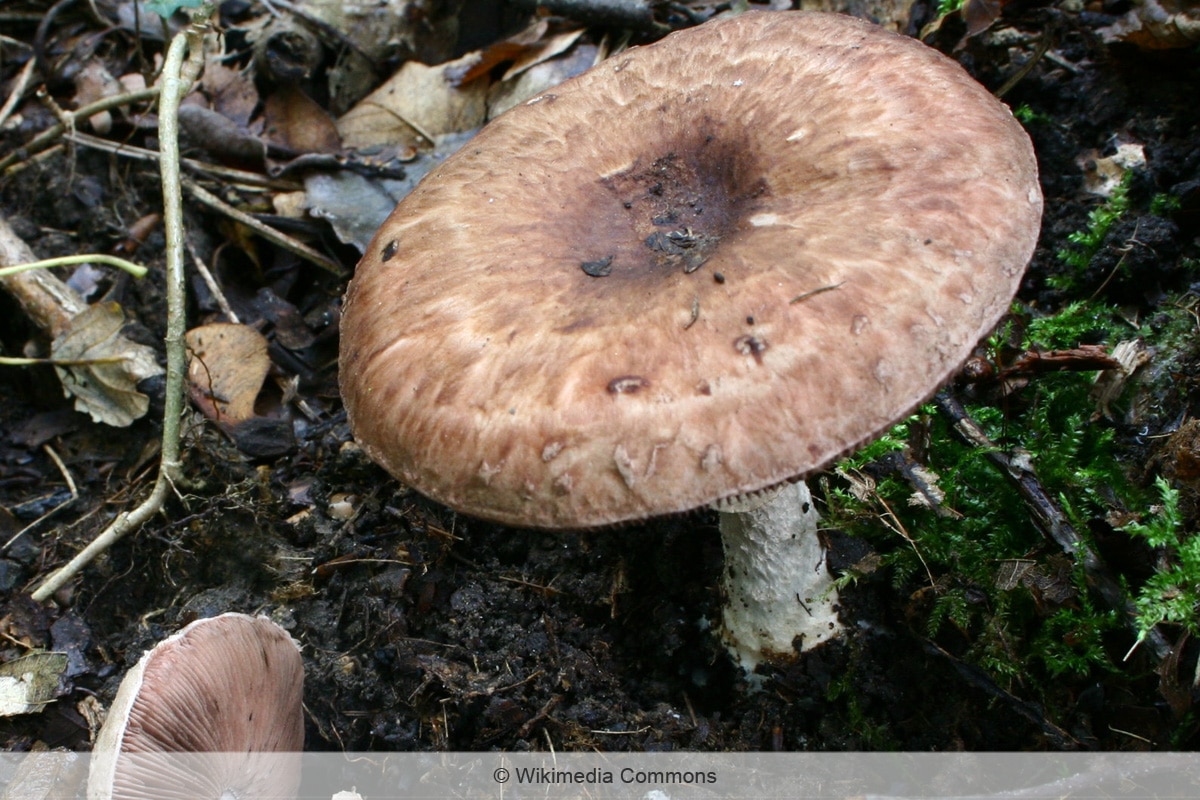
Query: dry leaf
point(219, 135)
point(107, 389)
point(354, 205)
point(377, 33)
point(386, 28)
point(226, 370)
point(1158, 25)
point(1102, 175)
point(980, 15)
point(1131, 355)
point(549, 48)
point(517, 86)
point(231, 91)
point(521, 51)
point(295, 123)
point(891, 14)
point(93, 83)
point(415, 107)
point(929, 495)
point(28, 683)
point(290, 205)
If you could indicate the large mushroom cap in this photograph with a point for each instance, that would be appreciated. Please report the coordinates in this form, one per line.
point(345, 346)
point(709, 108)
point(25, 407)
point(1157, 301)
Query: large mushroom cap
point(704, 267)
point(231, 685)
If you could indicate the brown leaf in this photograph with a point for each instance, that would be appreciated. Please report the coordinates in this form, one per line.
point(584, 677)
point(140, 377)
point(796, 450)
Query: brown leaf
point(980, 14)
point(226, 370)
point(231, 92)
point(547, 49)
point(219, 135)
point(107, 388)
point(415, 107)
point(520, 84)
point(295, 123)
point(1158, 25)
point(28, 683)
point(93, 83)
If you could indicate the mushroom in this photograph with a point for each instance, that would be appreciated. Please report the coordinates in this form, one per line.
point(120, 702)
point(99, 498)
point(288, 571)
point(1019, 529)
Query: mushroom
point(706, 268)
point(211, 712)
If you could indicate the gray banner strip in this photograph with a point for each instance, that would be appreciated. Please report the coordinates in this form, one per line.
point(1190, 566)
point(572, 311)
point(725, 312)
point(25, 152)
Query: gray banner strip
point(647, 776)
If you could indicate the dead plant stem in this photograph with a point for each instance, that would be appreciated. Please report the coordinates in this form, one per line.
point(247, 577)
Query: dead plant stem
point(47, 137)
point(177, 77)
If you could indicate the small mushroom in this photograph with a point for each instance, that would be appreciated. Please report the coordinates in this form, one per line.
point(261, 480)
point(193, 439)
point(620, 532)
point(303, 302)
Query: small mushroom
point(705, 268)
point(227, 692)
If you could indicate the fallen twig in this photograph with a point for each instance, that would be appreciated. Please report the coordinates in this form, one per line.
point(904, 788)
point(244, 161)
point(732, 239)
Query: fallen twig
point(240, 176)
point(210, 281)
point(48, 136)
point(262, 229)
point(48, 302)
point(176, 79)
point(18, 90)
point(1030, 711)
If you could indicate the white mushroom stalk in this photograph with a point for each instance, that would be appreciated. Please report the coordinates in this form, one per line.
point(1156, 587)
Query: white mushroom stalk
point(779, 594)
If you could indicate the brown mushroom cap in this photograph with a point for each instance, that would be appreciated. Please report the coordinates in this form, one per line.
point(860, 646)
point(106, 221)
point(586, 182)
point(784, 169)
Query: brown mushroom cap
point(231, 684)
point(702, 268)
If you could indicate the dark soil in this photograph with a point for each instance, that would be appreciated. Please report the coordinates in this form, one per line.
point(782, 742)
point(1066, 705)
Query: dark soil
point(422, 629)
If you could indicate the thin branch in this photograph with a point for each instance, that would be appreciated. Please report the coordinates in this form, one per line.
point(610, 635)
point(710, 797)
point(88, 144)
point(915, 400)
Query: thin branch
point(177, 78)
point(210, 281)
point(1030, 711)
point(18, 90)
point(253, 179)
point(9, 361)
point(47, 137)
point(262, 229)
point(45, 299)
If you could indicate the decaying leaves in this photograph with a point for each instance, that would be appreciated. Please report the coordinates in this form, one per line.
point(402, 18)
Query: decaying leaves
point(1129, 356)
point(415, 107)
point(354, 205)
point(226, 369)
point(28, 683)
point(892, 14)
point(94, 82)
point(517, 86)
point(1158, 25)
point(297, 124)
point(219, 135)
point(1103, 174)
point(231, 91)
point(104, 366)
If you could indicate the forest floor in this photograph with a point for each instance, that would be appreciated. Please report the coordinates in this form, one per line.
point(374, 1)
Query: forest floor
point(422, 629)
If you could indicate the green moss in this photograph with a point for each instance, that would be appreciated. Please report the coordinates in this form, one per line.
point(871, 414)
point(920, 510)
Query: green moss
point(1086, 243)
point(1172, 594)
point(976, 573)
point(947, 7)
point(1027, 116)
point(984, 530)
point(1079, 322)
point(1163, 205)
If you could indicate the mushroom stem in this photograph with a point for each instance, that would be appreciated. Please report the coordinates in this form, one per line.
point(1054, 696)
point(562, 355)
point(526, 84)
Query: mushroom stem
point(776, 583)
